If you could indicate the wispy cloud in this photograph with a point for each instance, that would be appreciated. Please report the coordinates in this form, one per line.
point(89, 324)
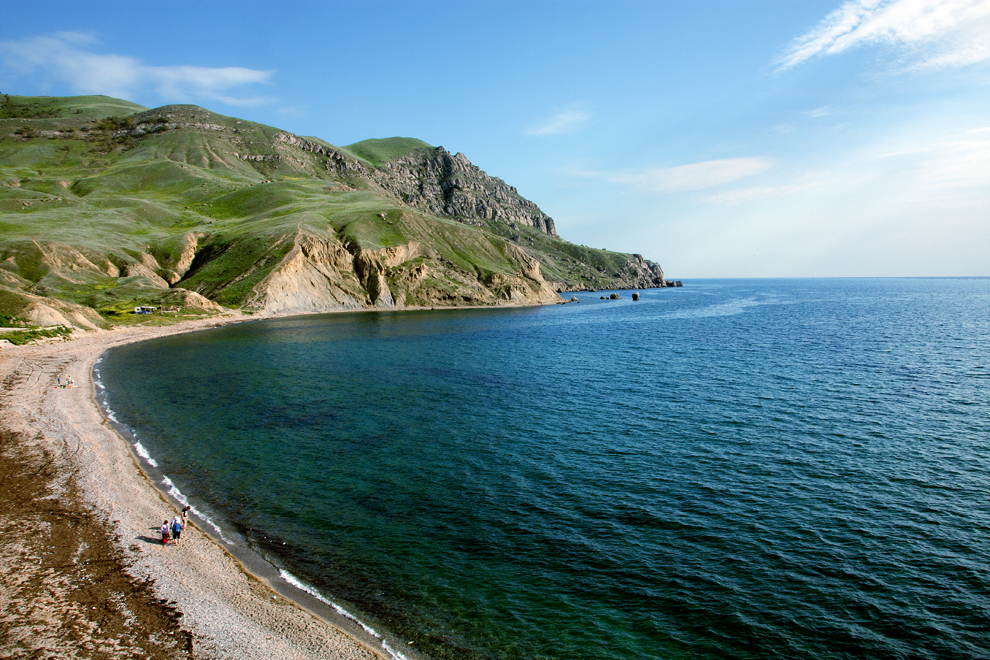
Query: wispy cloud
point(938, 33)
point(961, 164)
point(759, 193)
point(69, 57)
point(823, 111)
point(945, 167)
point(297, 110)
point(566, 120)
point(694, 176)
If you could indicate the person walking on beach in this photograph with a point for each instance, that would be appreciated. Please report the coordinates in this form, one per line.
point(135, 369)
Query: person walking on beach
point(164, 531)
point(176, 529)
point(185, 516)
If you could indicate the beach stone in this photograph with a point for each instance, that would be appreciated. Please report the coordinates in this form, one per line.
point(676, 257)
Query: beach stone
point(636, 296)
point(614, 296)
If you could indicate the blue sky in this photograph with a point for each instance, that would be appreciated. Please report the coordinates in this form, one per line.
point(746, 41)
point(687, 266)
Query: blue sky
point(736, 138)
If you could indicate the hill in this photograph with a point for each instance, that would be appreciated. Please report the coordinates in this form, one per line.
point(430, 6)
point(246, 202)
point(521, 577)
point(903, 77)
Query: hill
point(106, 205)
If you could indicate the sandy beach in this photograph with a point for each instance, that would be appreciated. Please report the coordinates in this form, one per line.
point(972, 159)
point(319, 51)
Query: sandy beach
point(84, 572)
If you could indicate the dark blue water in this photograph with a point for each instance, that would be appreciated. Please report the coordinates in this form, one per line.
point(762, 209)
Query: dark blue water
point(737, 468)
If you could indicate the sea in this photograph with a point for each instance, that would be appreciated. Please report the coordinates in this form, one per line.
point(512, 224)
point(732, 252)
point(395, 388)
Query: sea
point(779, 468)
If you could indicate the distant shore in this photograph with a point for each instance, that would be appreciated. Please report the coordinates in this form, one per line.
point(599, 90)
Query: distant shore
point(195, 596)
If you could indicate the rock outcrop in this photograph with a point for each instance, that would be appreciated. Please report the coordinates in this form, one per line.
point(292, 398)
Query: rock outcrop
point(45, 311)
point(431, 180)
point(633, 273)
point(180, 297)
point(639, 272)
point(442, 184)
point(321, 274)
point(317, 275)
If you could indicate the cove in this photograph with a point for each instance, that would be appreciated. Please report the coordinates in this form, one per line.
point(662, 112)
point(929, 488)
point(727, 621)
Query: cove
point(733, 468)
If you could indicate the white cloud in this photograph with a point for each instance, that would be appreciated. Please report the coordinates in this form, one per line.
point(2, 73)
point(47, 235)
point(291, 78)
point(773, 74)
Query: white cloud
point(67, 57)
point(694, 176)
point(823, 111)
point(936, 33)
point(569, 120)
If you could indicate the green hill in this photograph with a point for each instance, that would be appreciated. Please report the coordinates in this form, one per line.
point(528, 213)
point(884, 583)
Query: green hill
point(79, 107)
point(378, 151)
point(106, 205)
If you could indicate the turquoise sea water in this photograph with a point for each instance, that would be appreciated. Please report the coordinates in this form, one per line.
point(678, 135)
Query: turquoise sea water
point(736, 468)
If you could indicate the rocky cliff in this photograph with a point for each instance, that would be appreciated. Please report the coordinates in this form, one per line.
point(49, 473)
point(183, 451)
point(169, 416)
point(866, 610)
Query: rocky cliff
point(321, 274)
point(435, 181)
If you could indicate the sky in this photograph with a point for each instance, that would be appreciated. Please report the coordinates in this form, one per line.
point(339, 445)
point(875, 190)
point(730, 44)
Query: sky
point(719, 138)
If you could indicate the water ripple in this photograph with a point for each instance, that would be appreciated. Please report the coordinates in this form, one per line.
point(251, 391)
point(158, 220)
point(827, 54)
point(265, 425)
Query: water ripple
point(745, 469)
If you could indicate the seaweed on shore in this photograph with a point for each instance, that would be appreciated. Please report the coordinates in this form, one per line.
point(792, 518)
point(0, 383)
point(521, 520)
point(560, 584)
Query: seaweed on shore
point(67, 591)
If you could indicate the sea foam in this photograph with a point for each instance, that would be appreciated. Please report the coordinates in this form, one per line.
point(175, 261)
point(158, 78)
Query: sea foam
point(184, 501)
point(299, 584)
point(143, 453)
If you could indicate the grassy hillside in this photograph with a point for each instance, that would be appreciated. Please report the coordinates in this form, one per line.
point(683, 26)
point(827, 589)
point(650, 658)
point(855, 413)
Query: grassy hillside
point(379, 151)
point(79, 107)
point(105, 205)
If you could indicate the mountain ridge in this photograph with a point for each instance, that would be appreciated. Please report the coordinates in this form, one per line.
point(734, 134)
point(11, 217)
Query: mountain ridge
point(103, 209)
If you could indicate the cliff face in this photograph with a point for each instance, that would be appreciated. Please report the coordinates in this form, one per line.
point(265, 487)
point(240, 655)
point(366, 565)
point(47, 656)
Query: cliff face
point(439, 183)
point(323, 274)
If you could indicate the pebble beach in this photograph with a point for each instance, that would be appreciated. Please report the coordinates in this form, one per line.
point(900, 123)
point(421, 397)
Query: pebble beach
point(86, 574)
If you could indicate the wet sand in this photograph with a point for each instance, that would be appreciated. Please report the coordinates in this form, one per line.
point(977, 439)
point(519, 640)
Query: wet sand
point(84, 573)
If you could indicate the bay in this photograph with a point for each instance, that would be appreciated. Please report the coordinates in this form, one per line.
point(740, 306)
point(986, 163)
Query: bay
point(735, 468)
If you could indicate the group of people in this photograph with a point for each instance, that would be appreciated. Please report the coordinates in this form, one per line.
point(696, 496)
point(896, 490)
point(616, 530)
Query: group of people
point(65, 381)
point(172, 531)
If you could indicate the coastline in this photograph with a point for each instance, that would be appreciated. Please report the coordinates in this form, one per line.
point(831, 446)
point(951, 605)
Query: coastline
point(227, 604)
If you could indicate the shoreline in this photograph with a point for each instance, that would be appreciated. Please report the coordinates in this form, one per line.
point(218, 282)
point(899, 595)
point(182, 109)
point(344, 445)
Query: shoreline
point(229, 599)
